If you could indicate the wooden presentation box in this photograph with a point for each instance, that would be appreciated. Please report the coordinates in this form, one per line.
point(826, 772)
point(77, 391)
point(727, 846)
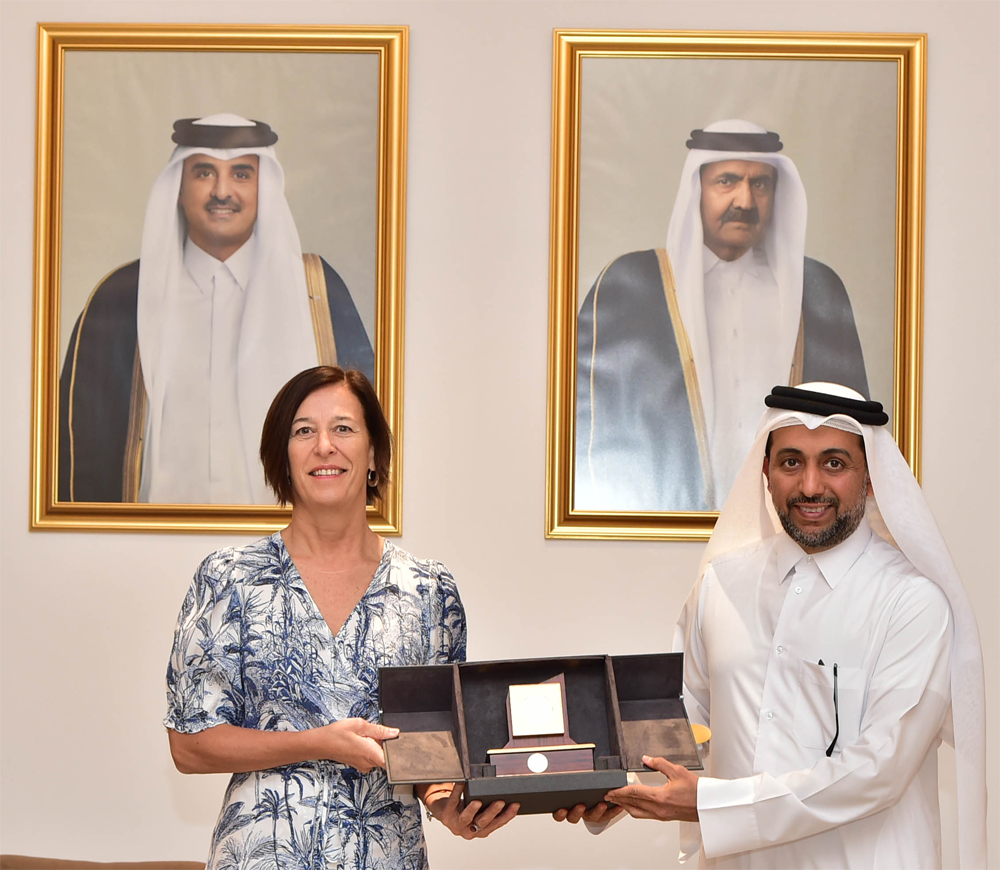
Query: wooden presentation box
point(451, 717)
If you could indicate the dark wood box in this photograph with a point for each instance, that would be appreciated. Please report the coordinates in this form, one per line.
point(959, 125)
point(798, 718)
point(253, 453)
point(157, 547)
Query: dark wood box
point(450, 716)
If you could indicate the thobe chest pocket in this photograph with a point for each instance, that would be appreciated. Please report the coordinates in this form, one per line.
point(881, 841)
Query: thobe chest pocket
point(815, 720)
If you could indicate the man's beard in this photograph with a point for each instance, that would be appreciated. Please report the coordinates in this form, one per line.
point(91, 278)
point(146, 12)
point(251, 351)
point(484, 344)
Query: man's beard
point(836, 533)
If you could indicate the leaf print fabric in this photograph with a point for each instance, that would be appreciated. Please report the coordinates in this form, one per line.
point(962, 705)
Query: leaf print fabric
point(251, 649)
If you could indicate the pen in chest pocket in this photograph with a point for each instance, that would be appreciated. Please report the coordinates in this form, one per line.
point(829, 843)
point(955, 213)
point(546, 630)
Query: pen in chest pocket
point(836, 712)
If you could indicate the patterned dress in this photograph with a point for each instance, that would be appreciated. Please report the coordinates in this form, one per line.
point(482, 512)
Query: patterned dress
point(251, 649)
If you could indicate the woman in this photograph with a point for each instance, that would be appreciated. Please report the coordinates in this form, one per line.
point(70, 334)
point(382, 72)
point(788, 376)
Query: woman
point(274, 671)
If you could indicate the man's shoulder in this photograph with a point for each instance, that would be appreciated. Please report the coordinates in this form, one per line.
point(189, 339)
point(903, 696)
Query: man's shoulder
point(633, 261)
point(832, 347)
point(819, 277)
point(899, 574)
point(737, 562)
point(634, 257)
point(117, 290)
point(108, 319)
point(329, 273)
point(635, 275)
point(316, 258)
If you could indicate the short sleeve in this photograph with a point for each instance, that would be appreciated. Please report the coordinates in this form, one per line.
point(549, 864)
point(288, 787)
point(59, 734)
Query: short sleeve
point(204, 675)
point(448, 630)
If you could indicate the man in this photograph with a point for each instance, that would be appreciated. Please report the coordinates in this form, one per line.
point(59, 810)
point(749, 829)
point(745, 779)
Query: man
point(826, 658)
point(173, 362)
point(675, 345)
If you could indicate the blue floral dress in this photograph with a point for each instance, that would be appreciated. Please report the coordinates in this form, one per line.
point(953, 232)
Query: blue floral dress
point(252, 649)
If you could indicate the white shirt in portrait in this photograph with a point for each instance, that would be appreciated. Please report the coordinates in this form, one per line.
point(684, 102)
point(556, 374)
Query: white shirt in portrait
point(200, 434)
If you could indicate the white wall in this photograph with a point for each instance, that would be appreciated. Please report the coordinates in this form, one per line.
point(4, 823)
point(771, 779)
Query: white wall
point(87, 618)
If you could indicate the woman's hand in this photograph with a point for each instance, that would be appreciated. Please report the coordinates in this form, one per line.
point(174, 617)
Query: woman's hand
point(443, 802)
point(355, 742)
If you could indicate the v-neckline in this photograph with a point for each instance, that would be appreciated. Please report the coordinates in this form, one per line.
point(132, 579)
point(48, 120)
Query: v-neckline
point(335, 635)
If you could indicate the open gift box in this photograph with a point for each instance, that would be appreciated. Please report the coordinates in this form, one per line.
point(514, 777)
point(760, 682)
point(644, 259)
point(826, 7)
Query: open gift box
point(454, 720)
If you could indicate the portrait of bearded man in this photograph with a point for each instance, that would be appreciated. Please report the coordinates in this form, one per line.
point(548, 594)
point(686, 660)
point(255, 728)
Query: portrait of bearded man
point(676, 344)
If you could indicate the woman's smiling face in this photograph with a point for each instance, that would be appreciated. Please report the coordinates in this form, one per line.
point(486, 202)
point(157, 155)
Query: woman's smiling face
point(329, 451)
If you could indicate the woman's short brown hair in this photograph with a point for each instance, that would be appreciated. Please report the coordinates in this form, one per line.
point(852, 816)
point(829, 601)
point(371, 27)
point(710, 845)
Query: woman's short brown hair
point(278, 427)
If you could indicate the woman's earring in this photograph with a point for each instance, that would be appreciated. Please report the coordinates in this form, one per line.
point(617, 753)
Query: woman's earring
point(372, 477)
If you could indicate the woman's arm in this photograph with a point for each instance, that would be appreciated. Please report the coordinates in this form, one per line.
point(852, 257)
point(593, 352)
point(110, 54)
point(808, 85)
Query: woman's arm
point(231, 749)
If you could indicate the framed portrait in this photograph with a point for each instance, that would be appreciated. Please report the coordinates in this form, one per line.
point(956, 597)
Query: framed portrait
point(217, 209)
point(730, 211)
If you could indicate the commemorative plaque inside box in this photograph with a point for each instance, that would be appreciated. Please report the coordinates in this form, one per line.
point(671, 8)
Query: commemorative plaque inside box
point(495, 726)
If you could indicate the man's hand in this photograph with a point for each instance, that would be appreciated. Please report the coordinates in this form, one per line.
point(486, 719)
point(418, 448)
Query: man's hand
point(675, 801)
point(600, 814)
point(443, 802)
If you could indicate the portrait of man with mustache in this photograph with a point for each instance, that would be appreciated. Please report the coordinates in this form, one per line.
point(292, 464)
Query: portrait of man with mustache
point(675, 344)
point(174, 360)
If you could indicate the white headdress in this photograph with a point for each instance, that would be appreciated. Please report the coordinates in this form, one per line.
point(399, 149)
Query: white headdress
point(784, 241)
point(899, 513)
point(276, 338)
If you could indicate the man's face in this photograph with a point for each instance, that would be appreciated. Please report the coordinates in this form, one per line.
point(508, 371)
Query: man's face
point(737, 198)
point(219, 200)
point(818, 480)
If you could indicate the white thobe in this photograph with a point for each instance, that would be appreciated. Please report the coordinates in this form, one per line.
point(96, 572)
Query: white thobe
point(200, 440)
point(761, 633)
point(741, 301)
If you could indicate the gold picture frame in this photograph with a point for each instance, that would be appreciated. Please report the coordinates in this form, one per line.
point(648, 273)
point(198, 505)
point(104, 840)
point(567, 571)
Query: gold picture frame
point(612, 89)
point(365, 67)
